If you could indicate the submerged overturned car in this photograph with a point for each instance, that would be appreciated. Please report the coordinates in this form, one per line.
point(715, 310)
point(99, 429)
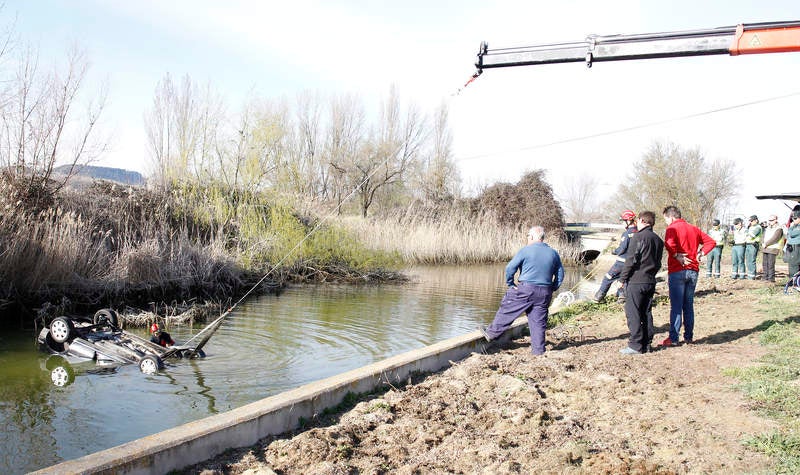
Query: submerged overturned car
point(100, 339)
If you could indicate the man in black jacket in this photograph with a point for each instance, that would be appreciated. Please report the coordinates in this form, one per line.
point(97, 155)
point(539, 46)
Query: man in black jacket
point(639, 278)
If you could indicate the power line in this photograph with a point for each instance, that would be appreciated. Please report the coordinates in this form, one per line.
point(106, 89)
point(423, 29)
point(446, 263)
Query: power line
point(628, 129)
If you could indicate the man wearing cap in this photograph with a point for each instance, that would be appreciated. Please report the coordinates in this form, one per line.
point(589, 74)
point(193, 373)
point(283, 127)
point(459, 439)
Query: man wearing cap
point(713, 266)
point(540, 274)
point(773, 235)
point(629, 217)
point(737, 251)
point(752, 243)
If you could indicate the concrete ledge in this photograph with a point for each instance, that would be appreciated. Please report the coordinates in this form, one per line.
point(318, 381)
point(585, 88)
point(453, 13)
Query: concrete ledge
point(201, 440)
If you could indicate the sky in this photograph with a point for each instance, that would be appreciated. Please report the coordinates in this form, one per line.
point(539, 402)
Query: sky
point(566, 119)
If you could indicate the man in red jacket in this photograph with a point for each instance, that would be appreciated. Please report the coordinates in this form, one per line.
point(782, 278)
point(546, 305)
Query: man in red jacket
point(685, 245)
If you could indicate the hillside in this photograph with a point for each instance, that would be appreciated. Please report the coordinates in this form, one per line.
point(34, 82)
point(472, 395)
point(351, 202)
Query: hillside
point(119, 175)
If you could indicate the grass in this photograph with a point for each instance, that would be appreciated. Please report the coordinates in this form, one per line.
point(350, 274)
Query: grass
point(773, 385)
point(115, 246)
point(451, 237)
point(582, 308)
point(112, 246)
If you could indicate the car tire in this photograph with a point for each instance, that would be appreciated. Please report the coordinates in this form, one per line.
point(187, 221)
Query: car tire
point(106, 315)
point(150, 364)
point(192, 354)
point(62, 376)
point(61, 329)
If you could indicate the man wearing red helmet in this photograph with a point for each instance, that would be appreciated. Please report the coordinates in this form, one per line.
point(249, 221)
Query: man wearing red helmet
point(160, 337)
point(629, 217)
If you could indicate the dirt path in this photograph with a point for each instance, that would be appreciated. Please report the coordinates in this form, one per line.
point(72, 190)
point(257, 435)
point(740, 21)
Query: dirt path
point(582, 408)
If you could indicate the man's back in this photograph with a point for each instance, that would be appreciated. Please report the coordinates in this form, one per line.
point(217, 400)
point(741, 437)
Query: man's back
point(538, 264)
point(684, 238)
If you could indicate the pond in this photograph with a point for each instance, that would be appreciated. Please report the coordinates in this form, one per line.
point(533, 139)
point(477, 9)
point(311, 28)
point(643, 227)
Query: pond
point(267, 345)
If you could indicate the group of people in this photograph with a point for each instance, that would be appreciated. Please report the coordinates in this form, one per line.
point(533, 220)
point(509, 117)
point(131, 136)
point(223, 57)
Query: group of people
point(770, 237)
point(639, 257)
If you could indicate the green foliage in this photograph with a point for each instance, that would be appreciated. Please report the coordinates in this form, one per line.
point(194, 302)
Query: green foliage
point(565, 314)
point(784, 447)
point(772, 387)
point(265, 233)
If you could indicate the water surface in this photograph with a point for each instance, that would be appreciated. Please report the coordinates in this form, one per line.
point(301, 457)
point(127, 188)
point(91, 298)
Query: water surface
point(268, 345)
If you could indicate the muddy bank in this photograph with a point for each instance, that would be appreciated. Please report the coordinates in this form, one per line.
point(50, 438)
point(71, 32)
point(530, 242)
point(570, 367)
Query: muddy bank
point(582, 408)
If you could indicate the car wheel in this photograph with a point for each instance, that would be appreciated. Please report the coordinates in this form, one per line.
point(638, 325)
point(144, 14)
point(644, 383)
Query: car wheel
point(192, 354)
point(108, 316)
point(150, 364)
point(61, 329)
point(62, 376)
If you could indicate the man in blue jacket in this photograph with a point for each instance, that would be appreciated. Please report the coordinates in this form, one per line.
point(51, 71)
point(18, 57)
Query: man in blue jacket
point(540, 274)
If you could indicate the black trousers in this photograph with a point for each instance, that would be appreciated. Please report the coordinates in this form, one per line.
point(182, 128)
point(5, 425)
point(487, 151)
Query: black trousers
point(768, 261)
point(638, 302)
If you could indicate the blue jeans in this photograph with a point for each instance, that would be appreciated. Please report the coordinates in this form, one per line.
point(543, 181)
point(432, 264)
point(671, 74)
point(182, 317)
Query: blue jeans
point(750, 254)
point(737, 260)
point(681, 303)
point(714, 261)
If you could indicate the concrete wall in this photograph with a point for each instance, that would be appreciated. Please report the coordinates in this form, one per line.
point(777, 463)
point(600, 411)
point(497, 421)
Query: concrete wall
point(198, 441)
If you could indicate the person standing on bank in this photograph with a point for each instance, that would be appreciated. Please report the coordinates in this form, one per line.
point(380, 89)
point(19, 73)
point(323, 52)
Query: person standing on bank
point(685, 245)
point(714, 264)
point(639, 278)
point(792, 251)
point(752, 243)
point(773, 234)
point(737, 251)
point(629, 217)
point(540, 274)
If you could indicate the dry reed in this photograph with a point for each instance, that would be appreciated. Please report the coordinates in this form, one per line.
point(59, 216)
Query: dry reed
point(452, 237)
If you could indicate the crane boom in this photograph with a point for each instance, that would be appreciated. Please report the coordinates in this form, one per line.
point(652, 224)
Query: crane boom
point(752, 38)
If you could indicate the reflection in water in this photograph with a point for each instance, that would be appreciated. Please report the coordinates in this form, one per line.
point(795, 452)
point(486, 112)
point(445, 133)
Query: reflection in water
point(268, 345)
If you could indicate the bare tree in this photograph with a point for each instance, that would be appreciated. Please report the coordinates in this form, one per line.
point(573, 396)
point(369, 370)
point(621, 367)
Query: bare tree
point(670, 175)
point(579, 197)
point(183, 127)
point(42, 125)
point(438, 177)
point(308, 176)
point(255, 151)
point(393, 146)
point(344, 137)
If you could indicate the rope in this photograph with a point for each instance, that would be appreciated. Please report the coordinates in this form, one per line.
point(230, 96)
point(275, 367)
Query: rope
point(474, 77)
